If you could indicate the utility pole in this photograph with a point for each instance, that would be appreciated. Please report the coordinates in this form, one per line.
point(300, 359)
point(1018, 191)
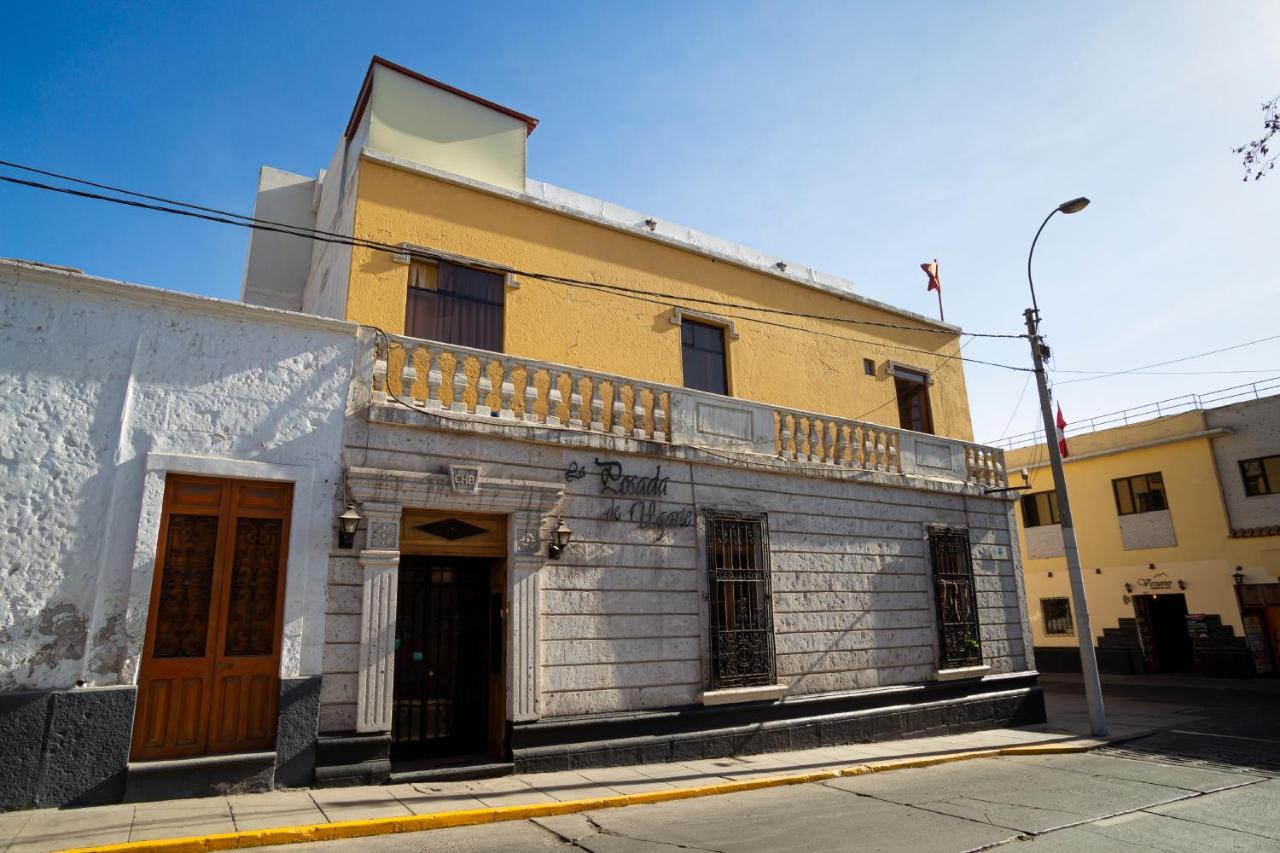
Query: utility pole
point(1084, 631)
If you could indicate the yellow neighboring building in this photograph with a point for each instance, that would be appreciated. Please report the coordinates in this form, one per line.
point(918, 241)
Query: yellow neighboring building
point(1178, 523)
point(441, 173)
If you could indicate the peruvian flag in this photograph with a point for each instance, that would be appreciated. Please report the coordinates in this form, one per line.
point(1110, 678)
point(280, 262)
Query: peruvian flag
point(931, 270)
point(1062, 433)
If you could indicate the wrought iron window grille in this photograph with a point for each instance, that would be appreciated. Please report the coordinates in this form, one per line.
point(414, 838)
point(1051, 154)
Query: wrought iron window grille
point(741, 601)
point(959, 639)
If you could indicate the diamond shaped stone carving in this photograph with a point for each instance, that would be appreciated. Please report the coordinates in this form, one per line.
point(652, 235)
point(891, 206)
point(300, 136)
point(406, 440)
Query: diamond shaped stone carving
point(452, 529)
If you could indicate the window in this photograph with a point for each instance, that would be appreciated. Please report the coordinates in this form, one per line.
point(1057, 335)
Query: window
point(740, 607)
point(912, 388)
point(703, 353)
point(1039, 509)
point(1143, 493)
point(959, 644)
point(1261, 476)
point(1057, 617)
point(868, 367)
point(455, 305)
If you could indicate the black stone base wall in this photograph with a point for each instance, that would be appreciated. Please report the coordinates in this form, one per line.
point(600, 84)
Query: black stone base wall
point(1057, 658)
point(719, 731)
point(64, 747)
point(296, 726)
point(352, 758)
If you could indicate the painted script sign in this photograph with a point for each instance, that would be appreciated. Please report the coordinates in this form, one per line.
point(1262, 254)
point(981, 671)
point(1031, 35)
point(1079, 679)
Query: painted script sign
point(642, 510)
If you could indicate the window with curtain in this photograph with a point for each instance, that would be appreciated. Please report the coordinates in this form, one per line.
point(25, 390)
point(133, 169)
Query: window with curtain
point(455, 305)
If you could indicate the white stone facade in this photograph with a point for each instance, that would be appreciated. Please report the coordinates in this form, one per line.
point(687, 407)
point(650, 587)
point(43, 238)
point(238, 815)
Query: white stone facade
point(106, 387)
point(621, 618)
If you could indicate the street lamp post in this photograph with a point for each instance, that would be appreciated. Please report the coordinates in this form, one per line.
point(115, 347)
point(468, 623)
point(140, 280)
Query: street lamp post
point(1084, 632)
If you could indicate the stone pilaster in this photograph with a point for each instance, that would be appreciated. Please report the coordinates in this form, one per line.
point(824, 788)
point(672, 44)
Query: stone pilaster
point(380, 563)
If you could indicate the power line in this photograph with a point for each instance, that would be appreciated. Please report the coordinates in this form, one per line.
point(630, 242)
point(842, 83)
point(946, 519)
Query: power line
point(331, 236)
point(361, 243)
point(1106, 374)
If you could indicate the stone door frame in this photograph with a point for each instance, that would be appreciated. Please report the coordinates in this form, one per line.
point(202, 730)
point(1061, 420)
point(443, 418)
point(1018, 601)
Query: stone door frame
point(382, 496)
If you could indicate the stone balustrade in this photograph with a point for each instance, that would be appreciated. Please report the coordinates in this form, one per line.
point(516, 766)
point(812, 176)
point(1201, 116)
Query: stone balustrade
point(436, 377)
point(470, 383)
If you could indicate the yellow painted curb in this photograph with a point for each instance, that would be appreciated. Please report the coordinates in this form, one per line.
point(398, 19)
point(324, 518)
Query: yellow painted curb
point(471, 817)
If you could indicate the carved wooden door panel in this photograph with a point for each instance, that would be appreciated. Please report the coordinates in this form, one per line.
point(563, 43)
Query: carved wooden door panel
point(208, 681)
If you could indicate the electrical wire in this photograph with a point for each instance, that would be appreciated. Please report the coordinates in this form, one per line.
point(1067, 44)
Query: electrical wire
point(331, 236)
point(1108, 374)
point(360, 243)
point(1017, 405)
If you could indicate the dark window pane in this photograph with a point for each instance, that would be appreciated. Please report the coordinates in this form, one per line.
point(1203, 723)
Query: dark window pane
point(913, 401)
point(255, 575)
point(741, 618)
point(1057, 616)
point(1261, 476)
point(182, 613)
point(703, 356)
point(956, 599)
point(1140, 493)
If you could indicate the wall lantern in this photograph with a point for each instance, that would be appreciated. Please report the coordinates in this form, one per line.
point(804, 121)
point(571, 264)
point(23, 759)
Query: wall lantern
point(348, 523)
point(1182, 584)
point(1239, 575)
point(1097, 571)
point(1128, 587)
point(559, 540)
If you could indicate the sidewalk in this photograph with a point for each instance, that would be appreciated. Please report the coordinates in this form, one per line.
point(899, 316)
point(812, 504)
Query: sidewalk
point(56, 829)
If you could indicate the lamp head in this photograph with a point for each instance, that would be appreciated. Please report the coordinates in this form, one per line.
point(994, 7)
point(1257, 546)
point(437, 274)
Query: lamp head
point(559, 540)
point(1074, 206)
point(348, 523)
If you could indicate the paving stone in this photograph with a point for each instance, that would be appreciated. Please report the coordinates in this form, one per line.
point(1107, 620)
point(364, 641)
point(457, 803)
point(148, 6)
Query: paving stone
point(277, 808)
point(340, 804)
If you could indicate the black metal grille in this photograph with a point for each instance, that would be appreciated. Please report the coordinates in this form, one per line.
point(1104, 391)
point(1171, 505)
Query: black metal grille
point(958, 638)
point(741, 610)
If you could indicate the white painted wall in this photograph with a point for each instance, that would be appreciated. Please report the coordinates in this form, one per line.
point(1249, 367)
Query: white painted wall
point(1255, 432)
point(428, 125)
point(325, 293)
point(104, 387)
point(277, 265)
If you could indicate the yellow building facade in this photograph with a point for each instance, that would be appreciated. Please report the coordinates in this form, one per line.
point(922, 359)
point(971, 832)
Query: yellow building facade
point(428, 168)
point(1174, 583)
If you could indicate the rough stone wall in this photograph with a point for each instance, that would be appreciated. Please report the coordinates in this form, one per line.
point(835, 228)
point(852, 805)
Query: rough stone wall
point(96, 375)
point(623, 612)
point(1255, 429)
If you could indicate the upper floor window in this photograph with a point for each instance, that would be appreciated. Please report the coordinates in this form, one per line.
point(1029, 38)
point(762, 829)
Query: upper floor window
point(912, 388)
point(1040, 508)
point(1143, 493)
point(1057, 617)
point(1261, 476)
point(703, 354)
point(740, 607)
point(455, 305)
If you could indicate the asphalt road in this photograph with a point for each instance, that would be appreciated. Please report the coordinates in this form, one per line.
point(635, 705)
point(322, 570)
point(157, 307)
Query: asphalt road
point(1210, 785)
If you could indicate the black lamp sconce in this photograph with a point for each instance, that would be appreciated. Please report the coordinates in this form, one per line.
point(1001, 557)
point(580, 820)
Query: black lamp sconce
point(348, 524)
point(1050, 574)
point(1182, 584)
point(1097, 571)
point(1128, 587)
point(1238, 575)
point(559, 540)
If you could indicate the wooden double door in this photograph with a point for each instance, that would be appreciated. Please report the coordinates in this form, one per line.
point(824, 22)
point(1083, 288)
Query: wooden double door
point(209, 676)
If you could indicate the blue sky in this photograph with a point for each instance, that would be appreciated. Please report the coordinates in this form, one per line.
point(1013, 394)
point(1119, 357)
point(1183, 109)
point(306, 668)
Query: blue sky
point(859, 138)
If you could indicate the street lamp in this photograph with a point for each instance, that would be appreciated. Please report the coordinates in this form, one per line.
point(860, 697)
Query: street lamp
point(1084, 632)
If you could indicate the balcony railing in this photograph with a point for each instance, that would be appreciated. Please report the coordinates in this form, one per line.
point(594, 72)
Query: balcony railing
point(478, 384)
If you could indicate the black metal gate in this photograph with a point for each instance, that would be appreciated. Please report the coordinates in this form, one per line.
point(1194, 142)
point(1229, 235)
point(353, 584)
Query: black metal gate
point(740, 601)
point(958, 637)
point(440, 701)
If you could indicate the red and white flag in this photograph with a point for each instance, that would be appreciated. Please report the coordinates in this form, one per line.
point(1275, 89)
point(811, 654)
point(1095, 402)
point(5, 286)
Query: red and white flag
point(1062, 433)
point(931, 270)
